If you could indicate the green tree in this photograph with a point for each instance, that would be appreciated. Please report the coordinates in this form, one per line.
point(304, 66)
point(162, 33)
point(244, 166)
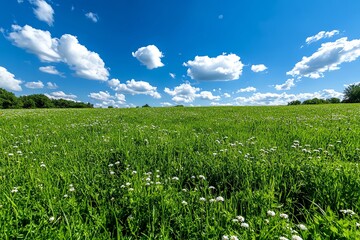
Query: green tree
point(352, 94)
point(295, 102)
point(8, 99)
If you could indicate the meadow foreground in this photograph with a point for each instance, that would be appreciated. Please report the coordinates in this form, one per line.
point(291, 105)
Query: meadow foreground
point(181, 173)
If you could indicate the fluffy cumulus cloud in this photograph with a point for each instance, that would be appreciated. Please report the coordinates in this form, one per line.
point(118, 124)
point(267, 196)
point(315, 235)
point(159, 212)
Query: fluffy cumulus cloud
point(328, 57)
point(106, 99)
point(67, 49)
point(321, 35)
point(51, 85)
point(247, 89)
point(227, 95)
point(185, 93)
point(61, 95)
point(34, 85)
point(284, 98)
point(221, 68)
point(8, 81)
point(206, 95)
point(285, 86)
point(258, 68)
point(92, 16)
point(134, 87)
point(50, 70)
point(43, 11)
point(166, 104)
point(150, 56)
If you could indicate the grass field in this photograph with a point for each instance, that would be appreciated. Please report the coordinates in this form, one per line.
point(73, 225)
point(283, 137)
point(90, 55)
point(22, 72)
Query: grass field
point(181, 173)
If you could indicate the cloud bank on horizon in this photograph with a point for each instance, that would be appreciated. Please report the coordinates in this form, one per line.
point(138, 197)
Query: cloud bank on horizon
point(195, 70)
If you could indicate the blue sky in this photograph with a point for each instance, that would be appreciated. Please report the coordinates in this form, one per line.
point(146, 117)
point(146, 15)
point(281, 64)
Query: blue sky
point(190, 52)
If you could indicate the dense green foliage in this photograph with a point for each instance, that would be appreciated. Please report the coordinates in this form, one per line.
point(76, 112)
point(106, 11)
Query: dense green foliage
point(315, 101)
point(352, 93)
point(9, 100)
point(180, 173)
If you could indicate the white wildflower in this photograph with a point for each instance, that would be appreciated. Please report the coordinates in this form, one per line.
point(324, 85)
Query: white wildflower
point(134, 172)
point(283, 238)
point(271, 213)
point(302, 227)
point(283, 215)
point(244, 225)
point(175, 178)
point(296, 237)
point(131, 189)
point(234, 238)
point(240, 218)
point(111, 165)
point(184, 203)
point(225, 237)
point(127, 184)
point(202, 199)
point(51, 219)
point(219, 199)
point(112, 172)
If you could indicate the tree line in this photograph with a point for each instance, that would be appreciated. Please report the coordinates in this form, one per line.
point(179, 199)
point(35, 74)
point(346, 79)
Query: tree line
point(9, 100)
point(351, 95)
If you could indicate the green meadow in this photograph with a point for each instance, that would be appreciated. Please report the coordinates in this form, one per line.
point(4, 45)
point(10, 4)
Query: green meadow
point(288, 172)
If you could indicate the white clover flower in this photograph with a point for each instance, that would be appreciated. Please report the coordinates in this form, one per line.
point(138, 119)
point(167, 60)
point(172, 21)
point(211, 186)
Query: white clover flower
point(42, 165)
point(157, 176)
point(131, 189)
point(14, 190)
point(244, 225)
point(184, 190)
point(283, 238)
point(202, 177)
point(51, 219)
point(112, 172)
point(235, 220)
point(158, 183)
point(271, 213)
point(148, 179)
point(65, 195)
point(225, 237)
point(134, 172)
point(127, 184)
point(184, 203)
point(296, 237)
point(240, 218)
point(122, 186)
point(302, 227)
point(234, 238)
point(284, 216)
point(111, 165)
point(72, 189)
point(212, 200)
point(117, 163)
point(193, 177)
point(219, 199)
point(147, 184)
point(357, 224)
point(175, 178)
point(10, 154)
point(202, 199)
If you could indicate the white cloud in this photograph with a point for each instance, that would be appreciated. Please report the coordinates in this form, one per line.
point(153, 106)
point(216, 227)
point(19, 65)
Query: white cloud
point(102, 96)
point(227, 95)
point(321, 35)
point(258, 68)
point(92, 16)
point(183, 93)
point(220, 104)
point(150, 56)
point(221, 68)
point(8, 81)
point(134, 87)
point(221, 16)
point(43, 11)
point(166, 104)
point(34, 85)
point(206, 95)
point(50, 70)
point(20, 1)
point(172, 75)
point(328, 57)
point(85, 63)
point(51, 85)
point(61, 95)
point(284, 98)
point(36, 41)
point(186, 93)
point(285, 86)
point(67, 49)
point(247, 89)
